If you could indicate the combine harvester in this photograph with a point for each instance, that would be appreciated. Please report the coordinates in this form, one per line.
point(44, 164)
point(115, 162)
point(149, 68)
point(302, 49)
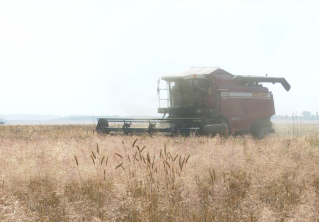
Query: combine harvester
point(207, 100)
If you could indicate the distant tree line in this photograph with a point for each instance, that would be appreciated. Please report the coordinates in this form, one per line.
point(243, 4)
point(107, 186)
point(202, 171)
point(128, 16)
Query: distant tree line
point(305, 115)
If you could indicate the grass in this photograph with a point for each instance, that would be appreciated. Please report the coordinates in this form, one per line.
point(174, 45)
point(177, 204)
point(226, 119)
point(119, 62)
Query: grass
point(67, 173)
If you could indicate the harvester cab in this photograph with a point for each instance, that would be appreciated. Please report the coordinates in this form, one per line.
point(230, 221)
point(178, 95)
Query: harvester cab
point(209, 100)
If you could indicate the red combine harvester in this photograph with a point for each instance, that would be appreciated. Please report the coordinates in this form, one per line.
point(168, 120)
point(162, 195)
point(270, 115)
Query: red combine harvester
point(207, 100)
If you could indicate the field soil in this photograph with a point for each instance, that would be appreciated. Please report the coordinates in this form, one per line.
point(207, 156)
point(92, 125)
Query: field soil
point(69, 173)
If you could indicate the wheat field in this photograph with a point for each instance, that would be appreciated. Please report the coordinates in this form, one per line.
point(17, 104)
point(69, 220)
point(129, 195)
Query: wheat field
point(69, 173)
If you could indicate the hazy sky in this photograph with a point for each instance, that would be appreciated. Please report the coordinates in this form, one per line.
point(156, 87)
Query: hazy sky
point(104, 57)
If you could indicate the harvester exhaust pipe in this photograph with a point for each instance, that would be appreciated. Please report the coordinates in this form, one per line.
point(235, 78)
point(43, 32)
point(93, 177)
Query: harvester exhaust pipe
point(216, 128)
point(252, 79)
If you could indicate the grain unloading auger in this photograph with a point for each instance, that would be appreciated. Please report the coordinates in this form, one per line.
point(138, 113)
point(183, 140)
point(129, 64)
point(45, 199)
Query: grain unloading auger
point(207, 100)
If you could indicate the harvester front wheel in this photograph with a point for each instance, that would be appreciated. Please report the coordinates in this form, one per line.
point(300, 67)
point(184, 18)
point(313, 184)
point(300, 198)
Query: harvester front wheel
point(263, 133)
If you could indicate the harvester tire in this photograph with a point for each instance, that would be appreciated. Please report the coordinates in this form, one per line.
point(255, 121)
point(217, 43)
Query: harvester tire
point(263, 133)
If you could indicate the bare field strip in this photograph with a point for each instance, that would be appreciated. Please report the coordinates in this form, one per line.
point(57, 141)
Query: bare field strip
point(67, 173)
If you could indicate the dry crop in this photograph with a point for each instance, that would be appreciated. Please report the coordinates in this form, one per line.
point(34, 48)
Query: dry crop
point(67, 173)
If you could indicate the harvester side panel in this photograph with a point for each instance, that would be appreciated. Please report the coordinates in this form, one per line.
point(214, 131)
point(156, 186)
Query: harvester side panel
point(242, 105)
